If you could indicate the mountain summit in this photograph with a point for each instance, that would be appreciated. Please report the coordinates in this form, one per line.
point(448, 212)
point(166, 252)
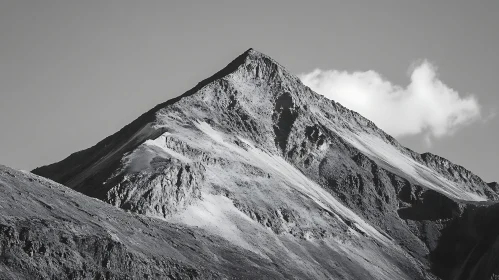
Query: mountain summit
point(253, 156)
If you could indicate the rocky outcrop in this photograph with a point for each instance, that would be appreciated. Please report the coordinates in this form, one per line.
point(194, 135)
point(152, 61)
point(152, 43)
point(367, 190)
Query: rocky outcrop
point(170, 187)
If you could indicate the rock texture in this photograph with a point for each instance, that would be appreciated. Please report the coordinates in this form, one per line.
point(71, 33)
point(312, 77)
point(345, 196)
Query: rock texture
point(48, 231)
point(169, 186)
point(255, 157)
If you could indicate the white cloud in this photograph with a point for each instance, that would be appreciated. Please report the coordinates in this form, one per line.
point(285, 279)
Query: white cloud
point(426, 106)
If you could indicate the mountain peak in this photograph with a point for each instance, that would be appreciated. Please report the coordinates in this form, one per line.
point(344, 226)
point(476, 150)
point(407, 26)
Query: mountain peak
point(251, 52)
point(252, 56)
point(252, 155)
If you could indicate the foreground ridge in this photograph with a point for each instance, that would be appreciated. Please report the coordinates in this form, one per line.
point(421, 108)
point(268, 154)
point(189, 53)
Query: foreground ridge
point(48, 231)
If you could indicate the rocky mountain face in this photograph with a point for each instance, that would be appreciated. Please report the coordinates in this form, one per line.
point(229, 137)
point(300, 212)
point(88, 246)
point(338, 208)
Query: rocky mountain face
point(48, 231)
point(297, 184)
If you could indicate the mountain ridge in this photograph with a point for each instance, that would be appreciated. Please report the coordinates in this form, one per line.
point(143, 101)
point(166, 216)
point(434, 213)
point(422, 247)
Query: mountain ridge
point(252, 55)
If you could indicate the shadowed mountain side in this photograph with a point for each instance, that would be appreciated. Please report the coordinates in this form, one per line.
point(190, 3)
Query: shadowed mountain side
point(469, 247)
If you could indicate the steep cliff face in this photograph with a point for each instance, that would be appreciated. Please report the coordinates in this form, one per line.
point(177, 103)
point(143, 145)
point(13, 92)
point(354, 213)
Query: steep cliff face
point(255, 157)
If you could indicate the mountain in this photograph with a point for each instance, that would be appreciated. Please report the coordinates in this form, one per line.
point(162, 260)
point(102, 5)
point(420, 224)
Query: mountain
point(48, 231)
point(310, 189)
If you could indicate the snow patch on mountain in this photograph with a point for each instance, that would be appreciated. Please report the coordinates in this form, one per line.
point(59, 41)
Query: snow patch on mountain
point(293, 177)
point(423, 175)
point(217, 215)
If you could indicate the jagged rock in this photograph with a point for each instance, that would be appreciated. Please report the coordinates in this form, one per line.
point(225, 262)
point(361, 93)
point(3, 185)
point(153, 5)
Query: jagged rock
point(168, 188)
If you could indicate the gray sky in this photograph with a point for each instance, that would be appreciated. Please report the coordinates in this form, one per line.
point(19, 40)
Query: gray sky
point(74, 72)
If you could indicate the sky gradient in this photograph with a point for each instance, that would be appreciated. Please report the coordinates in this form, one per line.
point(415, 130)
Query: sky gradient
point(74, 72)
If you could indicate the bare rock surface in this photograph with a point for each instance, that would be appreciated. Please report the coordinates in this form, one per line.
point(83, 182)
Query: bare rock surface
point(253, 156)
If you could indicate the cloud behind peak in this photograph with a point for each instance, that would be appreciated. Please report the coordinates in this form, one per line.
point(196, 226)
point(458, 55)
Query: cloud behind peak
point(426, 106)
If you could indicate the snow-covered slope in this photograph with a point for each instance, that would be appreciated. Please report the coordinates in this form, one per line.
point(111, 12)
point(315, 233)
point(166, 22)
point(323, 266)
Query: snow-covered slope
point(255, 157)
